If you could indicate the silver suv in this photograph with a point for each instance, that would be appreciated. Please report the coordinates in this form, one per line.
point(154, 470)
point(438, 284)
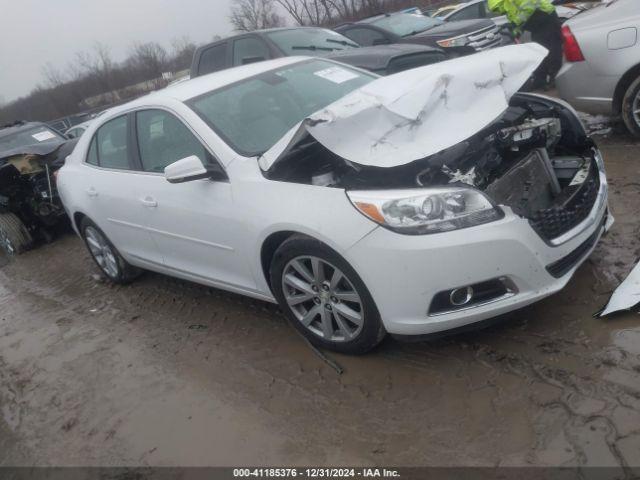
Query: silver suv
point(601, 73)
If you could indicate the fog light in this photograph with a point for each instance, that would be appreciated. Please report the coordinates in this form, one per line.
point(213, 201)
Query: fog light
point(461, 296)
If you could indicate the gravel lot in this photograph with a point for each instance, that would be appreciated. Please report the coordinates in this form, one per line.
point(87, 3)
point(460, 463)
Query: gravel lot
point(165, 372)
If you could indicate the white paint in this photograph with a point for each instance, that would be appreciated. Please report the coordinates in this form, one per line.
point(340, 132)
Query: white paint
point(626, 296)
point(212, 232)
point(413, 114)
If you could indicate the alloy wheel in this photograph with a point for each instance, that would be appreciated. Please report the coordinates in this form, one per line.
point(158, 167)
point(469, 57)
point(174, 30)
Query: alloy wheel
point(635, 108)
point(102, 252)
point(323, 299)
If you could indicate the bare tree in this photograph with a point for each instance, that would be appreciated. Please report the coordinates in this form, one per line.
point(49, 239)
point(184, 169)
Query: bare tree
point(249, 15)
point(52, 75)
point(309, 12)
point(150, 59)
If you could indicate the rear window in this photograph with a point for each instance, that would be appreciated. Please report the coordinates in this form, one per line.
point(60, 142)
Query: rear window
point(253, 114)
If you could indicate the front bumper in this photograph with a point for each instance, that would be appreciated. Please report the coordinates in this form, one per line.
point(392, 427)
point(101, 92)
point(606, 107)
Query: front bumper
point(404, 273)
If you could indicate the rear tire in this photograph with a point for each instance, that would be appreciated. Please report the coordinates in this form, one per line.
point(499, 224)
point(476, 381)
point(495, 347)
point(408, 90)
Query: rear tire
point(631, 108)
point(14, 236)
point(106, 255)
point(324, 298)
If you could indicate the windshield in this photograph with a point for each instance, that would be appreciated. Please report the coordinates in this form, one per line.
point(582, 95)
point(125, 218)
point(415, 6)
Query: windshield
point(31, 136)
point(252, 115)
point(405, 24)
point(310, 41)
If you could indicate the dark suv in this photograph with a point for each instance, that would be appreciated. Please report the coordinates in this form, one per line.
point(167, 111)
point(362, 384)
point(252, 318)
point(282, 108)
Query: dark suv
point(283, 42)
point(455, 38)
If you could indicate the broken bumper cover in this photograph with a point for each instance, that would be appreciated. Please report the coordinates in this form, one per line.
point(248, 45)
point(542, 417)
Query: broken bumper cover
point(409, 271)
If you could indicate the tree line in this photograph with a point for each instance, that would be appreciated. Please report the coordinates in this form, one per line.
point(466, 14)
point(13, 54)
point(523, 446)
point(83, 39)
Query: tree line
point(63, 91)
point(248, 15)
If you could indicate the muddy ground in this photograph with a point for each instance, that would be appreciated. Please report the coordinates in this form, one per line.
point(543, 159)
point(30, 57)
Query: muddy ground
point(165, 372)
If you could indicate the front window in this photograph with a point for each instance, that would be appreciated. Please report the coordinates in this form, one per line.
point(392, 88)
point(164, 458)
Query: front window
point(32, 136)
point(253, 114)
point(405, 24)
point(310, 41)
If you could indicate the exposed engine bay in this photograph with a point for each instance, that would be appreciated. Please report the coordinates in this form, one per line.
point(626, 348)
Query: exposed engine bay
point(535, 158)
point(27, 189)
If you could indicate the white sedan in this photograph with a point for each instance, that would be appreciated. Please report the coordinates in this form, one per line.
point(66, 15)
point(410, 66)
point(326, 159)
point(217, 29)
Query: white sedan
point(409, 204)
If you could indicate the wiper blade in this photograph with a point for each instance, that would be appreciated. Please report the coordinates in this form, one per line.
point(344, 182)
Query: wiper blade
point(343, 42)
point(313, 47)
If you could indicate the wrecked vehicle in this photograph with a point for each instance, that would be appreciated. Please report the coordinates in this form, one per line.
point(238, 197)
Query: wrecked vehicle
point(363, 205)
point(30, 209)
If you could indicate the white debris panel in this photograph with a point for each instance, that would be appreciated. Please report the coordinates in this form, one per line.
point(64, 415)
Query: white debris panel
point(413, 114)
point(626, 296)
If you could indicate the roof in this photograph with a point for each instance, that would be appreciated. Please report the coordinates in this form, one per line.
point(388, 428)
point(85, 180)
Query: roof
point(212, 81)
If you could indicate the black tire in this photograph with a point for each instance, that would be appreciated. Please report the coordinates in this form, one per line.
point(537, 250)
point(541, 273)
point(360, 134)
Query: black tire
point(370, 332)
point(123, 272)
point(631, 103)
point(14, 236)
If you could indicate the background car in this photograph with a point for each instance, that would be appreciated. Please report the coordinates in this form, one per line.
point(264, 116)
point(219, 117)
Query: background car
point(601, 73)
point(479, 9)
point(455, 38)
point(283, 42)
point(77, 131)
point(30, 208)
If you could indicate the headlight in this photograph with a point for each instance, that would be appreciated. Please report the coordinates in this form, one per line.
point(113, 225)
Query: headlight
point(453, 42)
point(418, 212)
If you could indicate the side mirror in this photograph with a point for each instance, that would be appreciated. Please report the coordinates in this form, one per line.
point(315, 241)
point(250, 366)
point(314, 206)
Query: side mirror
point(189, 169)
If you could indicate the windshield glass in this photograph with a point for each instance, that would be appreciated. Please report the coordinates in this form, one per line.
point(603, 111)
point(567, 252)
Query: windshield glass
point(253, 114)
point(405, 24)
point(31, 136)
point(310, 41)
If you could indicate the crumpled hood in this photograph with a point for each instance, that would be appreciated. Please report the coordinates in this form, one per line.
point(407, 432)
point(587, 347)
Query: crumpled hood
point(411, 115)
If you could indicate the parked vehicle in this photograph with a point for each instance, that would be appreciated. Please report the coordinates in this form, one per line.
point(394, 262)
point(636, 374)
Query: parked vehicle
point(283, 42)
point(455, 38)
point(363, 205)
point(77, 131)
point(478, 9)
point(30, 209)
point(601, 73)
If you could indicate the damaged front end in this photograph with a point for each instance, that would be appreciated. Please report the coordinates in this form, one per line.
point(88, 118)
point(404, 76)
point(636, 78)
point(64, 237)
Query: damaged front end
point(533, 158)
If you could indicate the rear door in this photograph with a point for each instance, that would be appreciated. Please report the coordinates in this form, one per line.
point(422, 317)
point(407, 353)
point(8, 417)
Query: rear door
point(109, 185)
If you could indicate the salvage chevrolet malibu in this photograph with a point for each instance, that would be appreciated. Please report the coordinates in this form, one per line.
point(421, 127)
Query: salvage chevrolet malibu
point(408, 204)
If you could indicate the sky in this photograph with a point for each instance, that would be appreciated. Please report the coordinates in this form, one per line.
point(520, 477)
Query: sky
point(34, 32)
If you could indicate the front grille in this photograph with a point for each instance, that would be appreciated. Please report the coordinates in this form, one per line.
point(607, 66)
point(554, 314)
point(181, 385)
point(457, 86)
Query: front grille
point(485, 39)
point(561, 267)
point(552, 222)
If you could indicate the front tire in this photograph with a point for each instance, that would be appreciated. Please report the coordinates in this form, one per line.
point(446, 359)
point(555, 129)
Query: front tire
point(324, 298)
point(14, 236)
point(631, 108)
point(106, 255)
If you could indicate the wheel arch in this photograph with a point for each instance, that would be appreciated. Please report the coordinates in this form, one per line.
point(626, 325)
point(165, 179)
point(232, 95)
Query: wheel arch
point(625, 81)
point(268, 250)
point(77, 220)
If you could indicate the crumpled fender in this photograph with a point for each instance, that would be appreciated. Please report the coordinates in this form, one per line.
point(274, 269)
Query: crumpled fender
point(404, 117)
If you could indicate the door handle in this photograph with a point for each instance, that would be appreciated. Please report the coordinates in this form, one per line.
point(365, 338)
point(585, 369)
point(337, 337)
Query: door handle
point(92, 192)
point(149, 202)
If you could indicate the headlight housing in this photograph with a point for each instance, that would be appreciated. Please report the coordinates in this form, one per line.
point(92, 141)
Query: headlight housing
point(425, 211)
point(453, 42)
